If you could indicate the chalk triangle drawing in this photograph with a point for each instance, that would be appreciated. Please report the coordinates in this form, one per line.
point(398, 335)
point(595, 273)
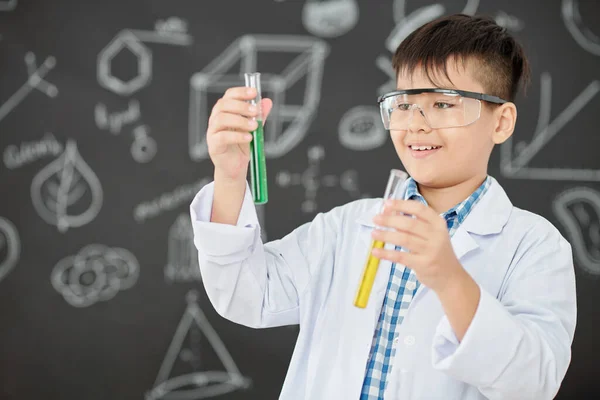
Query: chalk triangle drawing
point(173, 384)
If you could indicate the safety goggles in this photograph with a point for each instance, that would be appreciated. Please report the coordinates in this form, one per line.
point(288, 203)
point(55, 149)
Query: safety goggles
point(441, 108)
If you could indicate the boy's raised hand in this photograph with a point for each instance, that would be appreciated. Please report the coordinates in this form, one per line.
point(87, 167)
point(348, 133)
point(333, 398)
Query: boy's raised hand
point(425, 237)
point(228, 134)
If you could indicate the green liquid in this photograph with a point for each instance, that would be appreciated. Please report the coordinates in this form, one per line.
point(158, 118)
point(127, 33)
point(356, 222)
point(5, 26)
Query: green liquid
point(258, 166)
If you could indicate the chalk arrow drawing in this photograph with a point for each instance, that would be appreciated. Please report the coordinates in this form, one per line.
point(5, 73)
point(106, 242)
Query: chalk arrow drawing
point(10, 247)
point(60, 187)
point(198, 384)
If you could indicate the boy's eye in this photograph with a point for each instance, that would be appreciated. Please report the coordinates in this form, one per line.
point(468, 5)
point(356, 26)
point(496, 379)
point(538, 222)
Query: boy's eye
point(442, 104)
point(404, 107)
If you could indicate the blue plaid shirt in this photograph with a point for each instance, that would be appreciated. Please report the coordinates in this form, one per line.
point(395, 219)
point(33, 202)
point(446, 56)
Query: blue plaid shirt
point(400, 290)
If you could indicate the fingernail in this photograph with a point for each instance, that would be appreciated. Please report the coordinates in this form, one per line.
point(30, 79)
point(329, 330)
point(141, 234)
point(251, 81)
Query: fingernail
point(252, 123)
point(248, 137)
point(252, 108)
point(250, 90)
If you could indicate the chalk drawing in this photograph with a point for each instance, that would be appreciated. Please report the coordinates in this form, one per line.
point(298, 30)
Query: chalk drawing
point(311, 180)
point(172, 31)
point(34, 81)
point(8, 5)
point(361, 128)
point(309, 56)
point(330, 18)
point(515, 159)
point(96, 273)
point(182, 255)
point(10, 247)
point(58, 191)
point(584, 37)
point(578, 210)
point(197, 383)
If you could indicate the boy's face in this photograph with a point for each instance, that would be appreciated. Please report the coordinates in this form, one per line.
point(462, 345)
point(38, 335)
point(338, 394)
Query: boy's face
point(463, 152)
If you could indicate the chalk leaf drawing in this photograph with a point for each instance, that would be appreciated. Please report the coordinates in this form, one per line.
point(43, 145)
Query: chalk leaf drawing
point(182, 254)
point(96, 273)
point(196, 380)
point(58, 191)
point(10, 247)
point(578, 210)
point(330, 18)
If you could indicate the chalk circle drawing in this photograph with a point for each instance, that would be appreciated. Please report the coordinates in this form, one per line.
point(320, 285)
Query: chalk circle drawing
point(96, 273)
point(584, 37)
point(515, 158)
point(35, 80)
point(8, 5)
point(578, 210)
point(360, 128)
point(10, 247)
point(58, 190)
point(172, 31)
point(330, 18)
point(182, 255)
point(198, 383)
point(309, 55)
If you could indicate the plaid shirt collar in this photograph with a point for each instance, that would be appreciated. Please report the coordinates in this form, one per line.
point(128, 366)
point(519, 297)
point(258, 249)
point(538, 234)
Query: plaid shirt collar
point(459, 211)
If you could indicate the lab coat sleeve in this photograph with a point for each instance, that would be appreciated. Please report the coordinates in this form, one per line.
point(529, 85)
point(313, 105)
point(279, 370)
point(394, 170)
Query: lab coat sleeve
point(518, 346)
point(254, 284)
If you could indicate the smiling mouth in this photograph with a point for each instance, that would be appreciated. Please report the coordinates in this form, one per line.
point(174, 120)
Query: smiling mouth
point(423, 148)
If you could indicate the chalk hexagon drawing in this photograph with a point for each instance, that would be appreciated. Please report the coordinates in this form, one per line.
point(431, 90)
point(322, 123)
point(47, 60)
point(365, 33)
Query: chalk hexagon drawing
point(10, 247)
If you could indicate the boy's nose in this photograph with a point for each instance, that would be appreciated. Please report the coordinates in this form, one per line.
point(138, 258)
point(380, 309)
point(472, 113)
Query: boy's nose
point(418, 121)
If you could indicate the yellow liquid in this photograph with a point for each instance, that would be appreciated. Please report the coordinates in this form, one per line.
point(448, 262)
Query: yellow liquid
point(369, 273)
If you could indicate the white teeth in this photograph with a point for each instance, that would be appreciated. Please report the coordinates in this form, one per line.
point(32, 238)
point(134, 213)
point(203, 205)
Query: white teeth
point(424, 147)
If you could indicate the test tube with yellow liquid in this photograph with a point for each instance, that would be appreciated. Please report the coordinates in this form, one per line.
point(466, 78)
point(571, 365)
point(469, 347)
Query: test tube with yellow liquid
point(396, 179)
point(258, 165)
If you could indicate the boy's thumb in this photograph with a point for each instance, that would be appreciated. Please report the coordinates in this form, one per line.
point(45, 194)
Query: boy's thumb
point(266, 105)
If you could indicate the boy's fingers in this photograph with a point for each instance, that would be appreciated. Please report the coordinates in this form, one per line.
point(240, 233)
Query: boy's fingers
point(240, 92)
point(267, 106)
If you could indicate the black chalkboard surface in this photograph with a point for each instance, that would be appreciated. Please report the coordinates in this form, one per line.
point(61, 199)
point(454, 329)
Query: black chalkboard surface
point(103, 111)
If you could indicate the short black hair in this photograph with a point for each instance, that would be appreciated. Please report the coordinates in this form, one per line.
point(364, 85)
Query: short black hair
point(501, 65)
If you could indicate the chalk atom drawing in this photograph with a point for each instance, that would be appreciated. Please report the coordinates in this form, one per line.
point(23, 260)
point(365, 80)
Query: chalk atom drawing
point(59, 191)
point(8, 5)
point(10, 247)
point(96, 273)
point(34, 81)
point(576, 27)
point(308, 54)
point(172, 31)
point(578, 210)
point(329, 18)
point(515, 159)
point(360, 128)
point(182, 255)
point(197, 382)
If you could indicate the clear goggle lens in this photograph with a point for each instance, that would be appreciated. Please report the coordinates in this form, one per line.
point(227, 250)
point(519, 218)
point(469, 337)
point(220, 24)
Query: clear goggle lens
point(440, 110)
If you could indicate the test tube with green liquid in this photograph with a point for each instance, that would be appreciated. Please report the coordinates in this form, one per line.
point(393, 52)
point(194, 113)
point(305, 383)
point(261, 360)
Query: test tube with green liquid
point(258, 165)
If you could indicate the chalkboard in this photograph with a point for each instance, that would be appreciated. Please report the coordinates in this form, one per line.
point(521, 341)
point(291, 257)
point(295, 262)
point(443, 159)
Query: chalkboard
point(103, 111)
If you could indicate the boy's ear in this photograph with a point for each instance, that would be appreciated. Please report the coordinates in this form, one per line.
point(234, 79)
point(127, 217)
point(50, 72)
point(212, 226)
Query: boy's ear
point(506, 118)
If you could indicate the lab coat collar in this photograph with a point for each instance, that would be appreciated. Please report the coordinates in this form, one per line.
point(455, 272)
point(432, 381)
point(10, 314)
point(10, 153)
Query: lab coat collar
point(488, 216)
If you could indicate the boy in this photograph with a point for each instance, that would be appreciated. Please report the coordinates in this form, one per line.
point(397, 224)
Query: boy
point(475, 299)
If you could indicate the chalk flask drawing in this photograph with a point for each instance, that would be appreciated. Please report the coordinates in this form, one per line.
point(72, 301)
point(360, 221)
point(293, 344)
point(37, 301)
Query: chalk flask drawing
point(197, 383)
point(10, 247)
point(182, 255)
point(58, 190)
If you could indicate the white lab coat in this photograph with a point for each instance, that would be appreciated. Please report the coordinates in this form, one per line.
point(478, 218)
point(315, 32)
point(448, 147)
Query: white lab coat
point(518, 345)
